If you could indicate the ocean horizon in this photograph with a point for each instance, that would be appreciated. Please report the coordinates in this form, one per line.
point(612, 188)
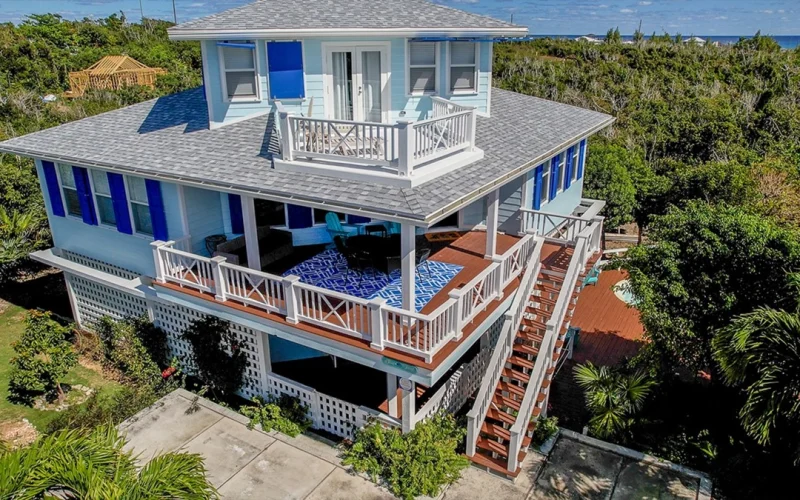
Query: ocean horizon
point(785, 41)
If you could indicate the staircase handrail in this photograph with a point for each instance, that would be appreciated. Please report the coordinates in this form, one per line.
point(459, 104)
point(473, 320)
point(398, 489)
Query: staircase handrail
point(503, 347)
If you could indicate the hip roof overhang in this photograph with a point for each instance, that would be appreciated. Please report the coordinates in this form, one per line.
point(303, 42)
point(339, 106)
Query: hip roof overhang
point(291, 34)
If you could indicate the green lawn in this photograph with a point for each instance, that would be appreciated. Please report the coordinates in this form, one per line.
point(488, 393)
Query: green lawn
point(12, 324)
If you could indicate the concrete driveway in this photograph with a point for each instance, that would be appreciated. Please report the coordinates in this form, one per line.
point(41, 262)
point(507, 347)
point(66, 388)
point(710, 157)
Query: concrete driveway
point(244, 463)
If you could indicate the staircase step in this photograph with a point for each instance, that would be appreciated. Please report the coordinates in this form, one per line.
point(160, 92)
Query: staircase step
point(496, 431)
point(499, 466)
point(511, 388)
point(501, 416)
point(525, 363)
point(501, 400)
point(493, 446)
point(526, 349)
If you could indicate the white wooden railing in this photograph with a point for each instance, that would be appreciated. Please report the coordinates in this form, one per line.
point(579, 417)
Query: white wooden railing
point(504, 346)
point(400, 147)
point(559, 226)
point(327, 413)
point(442, 107)
point(554, 331)
point(372, 320)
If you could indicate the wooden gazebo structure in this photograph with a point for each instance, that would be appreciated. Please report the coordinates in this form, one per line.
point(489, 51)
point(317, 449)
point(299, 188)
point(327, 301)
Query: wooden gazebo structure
point(112, 72)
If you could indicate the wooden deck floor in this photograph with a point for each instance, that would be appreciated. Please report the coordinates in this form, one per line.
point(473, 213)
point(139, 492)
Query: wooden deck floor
point(610, 330)
point(468, 251)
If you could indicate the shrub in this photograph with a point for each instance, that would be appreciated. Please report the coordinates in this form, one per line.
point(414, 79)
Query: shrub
point(545, 428)
point(218, 359)
point(125, 350)
point(109, 409)
point(44, 356)
point(285, 414)
point(413, 464)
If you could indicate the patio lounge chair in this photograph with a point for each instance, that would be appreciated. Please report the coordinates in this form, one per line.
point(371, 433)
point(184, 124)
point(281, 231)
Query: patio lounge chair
point(422, 257)
point(335, 227)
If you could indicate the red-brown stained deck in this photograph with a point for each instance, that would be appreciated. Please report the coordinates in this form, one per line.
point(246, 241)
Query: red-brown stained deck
point(610, 330)
point(468, 251)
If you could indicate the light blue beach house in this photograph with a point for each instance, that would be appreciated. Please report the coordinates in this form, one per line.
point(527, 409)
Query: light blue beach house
point(387, 234)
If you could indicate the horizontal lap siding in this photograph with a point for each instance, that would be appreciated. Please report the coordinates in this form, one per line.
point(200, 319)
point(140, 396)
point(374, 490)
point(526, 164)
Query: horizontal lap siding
point(204, 212)
point(105, 243)
point(510, 201)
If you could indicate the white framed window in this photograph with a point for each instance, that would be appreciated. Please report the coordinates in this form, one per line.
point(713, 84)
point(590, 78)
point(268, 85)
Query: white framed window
point(545, 189)
point(69, 190)
point(238, 67)
point(139, 207)
point(576, 154)
point(462, 73)
point(562, 171)
point(102, 196)
point(423, 67)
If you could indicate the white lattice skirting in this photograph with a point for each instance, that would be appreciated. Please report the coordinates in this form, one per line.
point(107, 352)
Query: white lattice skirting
point(94, 300)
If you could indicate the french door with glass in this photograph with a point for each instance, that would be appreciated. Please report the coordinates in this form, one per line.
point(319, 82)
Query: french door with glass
point(356, 83)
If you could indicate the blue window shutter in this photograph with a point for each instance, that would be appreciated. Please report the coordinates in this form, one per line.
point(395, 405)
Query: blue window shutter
point(286, 70)
point(357, 219)
point(553, 177)
point(53, 189)
point(84, 189)
point(120, 201)
point(537, 186)
point(300, 217)
point(569, 166)
point(237, 220)
point(158, 218)
point(581, 158)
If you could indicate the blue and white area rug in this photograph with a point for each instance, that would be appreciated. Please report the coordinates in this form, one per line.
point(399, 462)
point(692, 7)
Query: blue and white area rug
point(329, 268)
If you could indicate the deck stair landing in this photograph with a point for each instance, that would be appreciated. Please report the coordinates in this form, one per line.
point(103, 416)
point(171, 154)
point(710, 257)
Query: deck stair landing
point(493, 443)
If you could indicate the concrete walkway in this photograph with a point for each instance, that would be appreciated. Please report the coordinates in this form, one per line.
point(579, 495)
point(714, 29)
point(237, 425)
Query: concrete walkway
point(244, 463)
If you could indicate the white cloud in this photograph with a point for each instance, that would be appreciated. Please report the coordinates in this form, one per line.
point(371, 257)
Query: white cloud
point(767, 11)
point(721, 18)
point(627, 11)
point(602, 6)
point(646, 2)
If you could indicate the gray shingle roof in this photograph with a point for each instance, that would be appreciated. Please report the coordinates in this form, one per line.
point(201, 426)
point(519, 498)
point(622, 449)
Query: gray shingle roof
point(342, 14)
point(169, 138)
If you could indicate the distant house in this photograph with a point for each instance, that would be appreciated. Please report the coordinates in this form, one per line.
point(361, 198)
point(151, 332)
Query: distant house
point(348, 184)
point(696, 39)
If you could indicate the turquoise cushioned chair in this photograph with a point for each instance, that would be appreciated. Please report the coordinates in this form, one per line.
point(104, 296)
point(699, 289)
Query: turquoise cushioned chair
point(335, 227)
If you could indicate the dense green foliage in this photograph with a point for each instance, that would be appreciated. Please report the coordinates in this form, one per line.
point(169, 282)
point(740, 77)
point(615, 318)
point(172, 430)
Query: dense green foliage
point(111, 409)
point(44, 356)
point(613, 397)
point(286, 414)
point(413, 464)
point(761, 352)
point(217, 358)
point(709, 264)
point(35, 60)
point(544, 430)
point(125, 351)
point(93, 464)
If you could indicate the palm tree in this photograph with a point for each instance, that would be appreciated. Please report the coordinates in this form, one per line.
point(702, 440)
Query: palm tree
point(20, 233)
point(91, 464)
point(612, 397)
point(760, 351)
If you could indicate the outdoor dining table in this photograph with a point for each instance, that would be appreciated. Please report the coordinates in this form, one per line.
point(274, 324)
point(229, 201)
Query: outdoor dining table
point(384, 251)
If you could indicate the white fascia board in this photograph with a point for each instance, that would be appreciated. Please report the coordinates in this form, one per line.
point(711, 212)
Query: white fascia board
point(291, 34)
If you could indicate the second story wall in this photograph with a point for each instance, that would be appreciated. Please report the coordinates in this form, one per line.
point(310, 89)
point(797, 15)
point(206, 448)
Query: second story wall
point(317, 81)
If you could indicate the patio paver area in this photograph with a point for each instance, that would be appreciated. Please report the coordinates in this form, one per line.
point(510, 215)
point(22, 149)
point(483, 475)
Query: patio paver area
point(245, 463)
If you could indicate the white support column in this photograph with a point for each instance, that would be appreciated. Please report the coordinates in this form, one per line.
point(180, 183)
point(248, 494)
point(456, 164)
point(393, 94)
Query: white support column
point(493, 207)
point(391, 394)
point(408, 265)
point(526, 201)
point(251, 233)
point(182, 208)
point(405, 148)
point(265, 353)
point(409, 388)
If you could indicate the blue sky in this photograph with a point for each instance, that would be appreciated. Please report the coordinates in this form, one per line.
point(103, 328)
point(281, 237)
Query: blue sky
point(701, 17)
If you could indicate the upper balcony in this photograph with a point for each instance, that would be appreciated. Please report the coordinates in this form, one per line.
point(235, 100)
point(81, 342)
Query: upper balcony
point(402, 154)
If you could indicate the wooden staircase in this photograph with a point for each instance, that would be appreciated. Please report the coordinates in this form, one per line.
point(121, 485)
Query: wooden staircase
point(493, 443)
